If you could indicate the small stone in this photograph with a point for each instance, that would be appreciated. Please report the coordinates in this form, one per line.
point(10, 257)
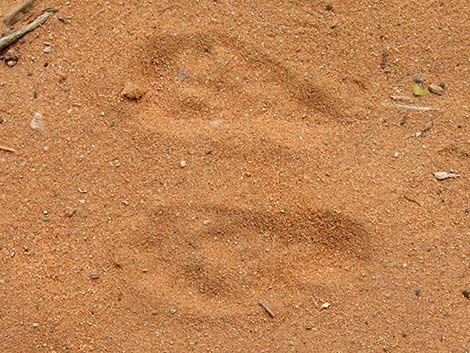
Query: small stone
point(418, 79)
point(11, 63)
point(214, 123)
point(182, 76)
point(45, 212)
point(144, 270)
point(466, 293)
point(418, 292)
point(436, 89)
point(1, 120)
point(37, 123)
point(325, 306)
point(47, 49)
point(82, 191)
point(132, 91)
point(69, 211)
point(403, 120)
point(183, 164)
point(173, 311)
point(94, 275)
point(206, 222)
point(11, 55)
point(396, 154)
point(35, 325)
point(329, 7)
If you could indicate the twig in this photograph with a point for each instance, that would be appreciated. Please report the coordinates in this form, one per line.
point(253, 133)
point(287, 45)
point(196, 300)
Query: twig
point(266, 308)
point(18, 12)
point(402, 98)
point(12, 38)
point(7, 149)
point(383, 63)
point(411, 200)
point(413, 107)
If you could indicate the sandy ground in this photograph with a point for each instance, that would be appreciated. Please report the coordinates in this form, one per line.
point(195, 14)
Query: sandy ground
point(264, 162)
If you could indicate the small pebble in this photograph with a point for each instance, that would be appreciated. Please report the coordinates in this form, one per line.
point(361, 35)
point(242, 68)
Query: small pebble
point(82, 191)
point(11, 63)
point(173, 311)
point(47, 49)
point(436, 89)
point(214, 123)
point(396, 154)
point(11, 55)
point(329, 7)
point(35, 325)
point(37, 123)
point(132, 91)
point(403, 120)
point(183, 76)
point(70, 211)
point(325, 306)
point(418, 79)
point(94, 275)
point(466, 293)
point(182, 164)
point(418, 292)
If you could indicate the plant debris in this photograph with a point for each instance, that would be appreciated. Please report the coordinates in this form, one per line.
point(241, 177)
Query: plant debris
point(412, 107)
point(445, 175)
point(419, 91)
point(266, 308)
point(15, 36)
point(401, 98)
point(422, 133)
point(7, 149)
point(18, 12)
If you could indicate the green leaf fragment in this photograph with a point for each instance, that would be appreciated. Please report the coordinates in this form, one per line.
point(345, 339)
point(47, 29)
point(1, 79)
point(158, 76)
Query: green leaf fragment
point(419, 91)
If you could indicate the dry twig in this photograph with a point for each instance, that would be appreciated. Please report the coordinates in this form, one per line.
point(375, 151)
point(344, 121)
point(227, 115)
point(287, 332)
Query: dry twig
point(7, 149)
point(15, 36)
point(266, 308)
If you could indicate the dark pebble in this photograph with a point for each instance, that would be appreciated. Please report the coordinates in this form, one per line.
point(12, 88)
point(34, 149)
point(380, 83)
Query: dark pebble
point(418, 79)
point(418, 292)
point(329, 7)
point(466, 293)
